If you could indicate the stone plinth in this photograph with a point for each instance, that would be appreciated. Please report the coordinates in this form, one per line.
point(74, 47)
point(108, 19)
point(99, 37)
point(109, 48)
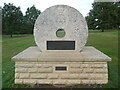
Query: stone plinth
point(61, 67)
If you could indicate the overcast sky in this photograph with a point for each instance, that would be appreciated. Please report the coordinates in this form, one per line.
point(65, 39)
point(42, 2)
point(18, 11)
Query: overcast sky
point(82, 5)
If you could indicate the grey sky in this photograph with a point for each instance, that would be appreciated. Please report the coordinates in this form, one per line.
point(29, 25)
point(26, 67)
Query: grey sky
point(82, 5)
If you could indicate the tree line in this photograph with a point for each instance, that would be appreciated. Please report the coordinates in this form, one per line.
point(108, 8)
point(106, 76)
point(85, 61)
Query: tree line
point(14, 22)
point(104, 15)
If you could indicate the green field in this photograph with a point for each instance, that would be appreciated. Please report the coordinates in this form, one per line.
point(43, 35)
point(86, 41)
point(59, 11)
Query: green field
point(107, 42)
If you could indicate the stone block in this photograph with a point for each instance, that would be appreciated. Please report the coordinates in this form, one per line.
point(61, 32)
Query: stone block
point(85, 65)
point(88, 70)
point(98, 76)
point(45, 70)
point(75, 70)
point(29, 81)
point(24, 65)
point(38, 65)
point(18, 81)
point(46, 65)
point(92, 82)
point(105, 65)
point(75, 65)
point(73, 82)
point(100, 70)
point(38, 76)
point(52, 76)
point(24, 76)
point(83, 76)
point(32, 70)
point(98, 65)
point(17, 75)
point(105, 81)
point(45, 81)
point(84, 81)
point(69, 76)
point(24, 70)
point(59, 81)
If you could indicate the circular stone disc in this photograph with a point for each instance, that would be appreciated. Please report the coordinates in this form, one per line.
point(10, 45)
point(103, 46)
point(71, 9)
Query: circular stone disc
point(60, 17)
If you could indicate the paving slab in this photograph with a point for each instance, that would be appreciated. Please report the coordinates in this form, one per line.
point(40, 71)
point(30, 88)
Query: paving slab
point(88, 53)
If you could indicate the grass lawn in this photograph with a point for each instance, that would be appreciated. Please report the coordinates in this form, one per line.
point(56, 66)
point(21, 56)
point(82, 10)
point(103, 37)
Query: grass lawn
point(107, 42)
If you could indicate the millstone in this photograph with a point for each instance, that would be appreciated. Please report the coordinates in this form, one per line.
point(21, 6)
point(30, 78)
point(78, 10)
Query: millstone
point(60, 17)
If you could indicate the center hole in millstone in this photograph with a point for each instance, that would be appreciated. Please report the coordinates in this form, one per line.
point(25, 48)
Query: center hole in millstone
point(60, 33)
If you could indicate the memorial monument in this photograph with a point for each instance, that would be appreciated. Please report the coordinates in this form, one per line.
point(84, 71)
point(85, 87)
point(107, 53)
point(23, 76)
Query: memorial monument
point(61, 56)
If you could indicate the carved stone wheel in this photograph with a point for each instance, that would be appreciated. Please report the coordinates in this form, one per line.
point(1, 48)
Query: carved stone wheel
point(60, 17)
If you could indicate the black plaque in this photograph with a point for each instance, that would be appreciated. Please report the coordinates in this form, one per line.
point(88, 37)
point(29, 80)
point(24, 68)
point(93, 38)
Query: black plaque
point(60, 45)
point(61, 68)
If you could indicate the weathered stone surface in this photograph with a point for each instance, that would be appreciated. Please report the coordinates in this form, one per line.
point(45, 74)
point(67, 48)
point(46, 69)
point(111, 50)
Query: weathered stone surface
point(18, 81)
point(21, 70)
point(98, 65)
point(38, 76)
point(17, 75)
point(74, 65)
point(100, 76)
point(70, 76)
point(88, 70)
point(73, 82)
point(24, 75)
point(52, 76)
point(46, 65)
point(59, 81)
point(102, 70)
point(24, 65)
point(45, 70)
point(76, 70)
point(85, 81)
point(102, 81)
point(83, 76)
point(88, 54)
point(60, 17)
point(29, 81)
point(32, 70)
point(82, 73)
point(40, 81)
point(86, 67)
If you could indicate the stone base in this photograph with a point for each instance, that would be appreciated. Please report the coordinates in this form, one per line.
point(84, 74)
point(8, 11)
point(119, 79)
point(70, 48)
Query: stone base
point(77, 71)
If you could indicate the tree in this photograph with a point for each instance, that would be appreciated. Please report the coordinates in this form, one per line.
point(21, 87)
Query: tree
point(117, 6)
point(104, 15)
point(91, 21)
point(12, 19)
point(31, 15)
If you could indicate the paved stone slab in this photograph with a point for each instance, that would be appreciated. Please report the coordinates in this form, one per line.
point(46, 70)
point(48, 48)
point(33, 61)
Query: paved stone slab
point(88, 54)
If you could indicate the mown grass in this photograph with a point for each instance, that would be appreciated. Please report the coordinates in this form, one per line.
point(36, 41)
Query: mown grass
point(107, 42)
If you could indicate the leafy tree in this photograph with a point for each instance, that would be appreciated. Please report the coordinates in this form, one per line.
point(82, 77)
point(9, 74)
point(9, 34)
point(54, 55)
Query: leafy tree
point(104, 15)
point(117, 7)
point(0, 20)
point(31, 15)
point(91, 21)
point(12, 19)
